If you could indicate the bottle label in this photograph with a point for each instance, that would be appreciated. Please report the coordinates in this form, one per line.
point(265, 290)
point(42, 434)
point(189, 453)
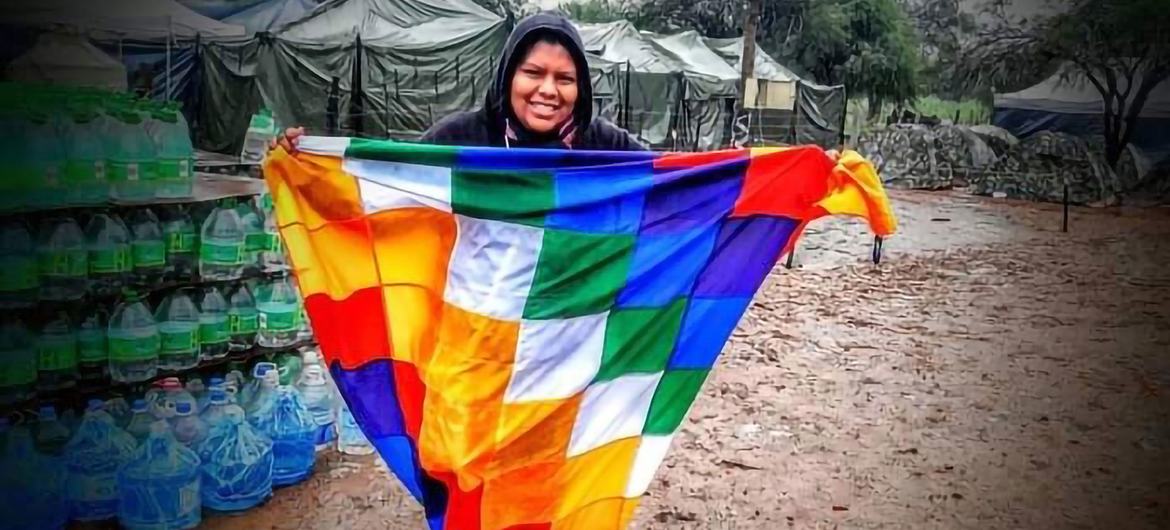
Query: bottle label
point(278, 320)
point(169, 170)
point(149, 253)
point(99, 170)
point(91, 345)
point(273, 242)
point(179, 342)
point(123, 171)
point(84, 172)
point(17, 368)
point(17, 273)
point(256, 242)
point(214, 253)
point(63, 263)
point(184, 169)
point(86, 488)
point(213, 330)
point(57, 354)
point(243, 321)
point(130, 348)
point(182, 242)
point(111, 260)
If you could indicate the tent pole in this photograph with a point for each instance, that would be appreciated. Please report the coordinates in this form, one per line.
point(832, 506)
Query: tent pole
point(170, 36)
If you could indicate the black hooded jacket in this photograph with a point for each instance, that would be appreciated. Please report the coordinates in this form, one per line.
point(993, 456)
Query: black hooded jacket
point(486, 126)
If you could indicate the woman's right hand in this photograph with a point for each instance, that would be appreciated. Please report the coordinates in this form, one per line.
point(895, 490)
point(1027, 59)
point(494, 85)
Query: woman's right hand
point(288, 140)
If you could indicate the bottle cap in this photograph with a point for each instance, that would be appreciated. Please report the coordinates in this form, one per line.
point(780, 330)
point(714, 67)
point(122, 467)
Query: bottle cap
point(218, 396)
point(139, 405)
point(47, 412)
point(183, 407)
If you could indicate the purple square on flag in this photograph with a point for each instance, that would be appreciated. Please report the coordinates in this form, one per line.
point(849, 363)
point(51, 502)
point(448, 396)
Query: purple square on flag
point(686, 199)
point(745, 251)
point(373, 397)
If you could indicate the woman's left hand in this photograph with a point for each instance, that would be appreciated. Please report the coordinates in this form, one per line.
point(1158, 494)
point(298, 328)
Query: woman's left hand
point(834, 155)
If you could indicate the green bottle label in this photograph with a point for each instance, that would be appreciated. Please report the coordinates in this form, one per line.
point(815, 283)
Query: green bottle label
point(214, 330)
point(256, 242)
point(18, 273)
point(179, 342)
point(57, 353)
point(84, 172)
point(130, 348)
point(278, 321)
point(91, 345)
point(63, 263)
point(120, 171)
point(173, 170)
point(181, 242)
point(17, 368)
point(273, 243)
point(149, 253)
point(243, 321)
point(108, 261)
point(221, 254)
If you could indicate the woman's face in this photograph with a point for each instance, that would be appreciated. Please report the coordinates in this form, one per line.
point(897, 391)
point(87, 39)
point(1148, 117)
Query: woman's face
point(544, 88)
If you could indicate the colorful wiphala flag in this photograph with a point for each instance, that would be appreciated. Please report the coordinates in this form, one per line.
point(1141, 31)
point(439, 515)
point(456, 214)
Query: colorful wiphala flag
point(520, 333)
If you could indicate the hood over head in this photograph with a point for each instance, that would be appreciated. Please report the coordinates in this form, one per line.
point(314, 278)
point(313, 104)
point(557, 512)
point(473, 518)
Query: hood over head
point(528, 31)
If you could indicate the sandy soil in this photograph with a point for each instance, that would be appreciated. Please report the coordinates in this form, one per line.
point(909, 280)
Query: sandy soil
point(991, 372)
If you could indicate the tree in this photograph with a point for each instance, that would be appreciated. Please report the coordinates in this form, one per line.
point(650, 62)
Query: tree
point(1121, 46)
point(943, 27)
point(510, 10)
point(598, 11)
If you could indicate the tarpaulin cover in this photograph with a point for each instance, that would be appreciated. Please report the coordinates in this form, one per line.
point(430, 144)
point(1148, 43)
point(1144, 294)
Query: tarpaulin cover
point(128, 19)
point(67, 59)
point(520, 333)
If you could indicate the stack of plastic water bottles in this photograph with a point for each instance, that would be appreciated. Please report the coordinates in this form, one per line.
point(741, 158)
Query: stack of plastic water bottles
point(180, 450)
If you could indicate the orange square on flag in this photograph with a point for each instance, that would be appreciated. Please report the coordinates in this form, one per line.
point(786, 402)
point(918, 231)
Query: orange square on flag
point(412, 312)
point(596, 475)
point(607, 513)
point(533, 433)
point(526, 495)
point(413, 246)
point(333, 259)
point(311, 189)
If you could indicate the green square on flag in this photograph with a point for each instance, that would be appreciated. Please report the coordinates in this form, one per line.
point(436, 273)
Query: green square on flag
point(672, 399)
point(640, 340)
point(578, 274)
point(523, 197)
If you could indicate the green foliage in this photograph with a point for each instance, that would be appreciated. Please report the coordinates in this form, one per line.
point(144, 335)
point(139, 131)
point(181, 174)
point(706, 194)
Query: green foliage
point(599, 11)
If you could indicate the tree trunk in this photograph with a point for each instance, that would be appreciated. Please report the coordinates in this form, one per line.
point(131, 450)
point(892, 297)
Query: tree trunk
point(747, 61)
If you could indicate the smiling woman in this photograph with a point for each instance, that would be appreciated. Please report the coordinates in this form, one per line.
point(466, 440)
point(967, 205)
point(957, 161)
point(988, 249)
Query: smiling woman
point(542, 96)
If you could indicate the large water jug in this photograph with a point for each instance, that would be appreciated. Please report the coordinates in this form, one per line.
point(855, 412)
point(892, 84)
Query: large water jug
point(287, 421)
point(159, 487)
point(189, 428)
point(221, 244)
point(175, 153)
point(179, 233)
point(238, 464)
point(277, 303)
point(57, 353)
point(45, 156)
point(318, 397)
point(132, 168)
point(33, 485)
point(85, 156)
point(350, 438)
point(93, 457)
point(52, 433)
point(178, 325)
point(148, 249)
point(62, 259)
point(255, 238)
point(216, 406)
point(243, 319)
point(19, 284)
point(214, 325)
point(108, 242)
point(93, 359)
point(140, 421)
point(133, 341)
point(18, 362)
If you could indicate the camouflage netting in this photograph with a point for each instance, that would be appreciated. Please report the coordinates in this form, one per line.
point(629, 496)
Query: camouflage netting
point(1039, 166)
point(922, 157)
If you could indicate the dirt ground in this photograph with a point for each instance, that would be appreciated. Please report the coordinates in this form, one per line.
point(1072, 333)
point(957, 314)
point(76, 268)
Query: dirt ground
point(991, 372)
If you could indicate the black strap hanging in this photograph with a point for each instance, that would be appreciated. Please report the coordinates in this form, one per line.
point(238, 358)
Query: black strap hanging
point(877, 249)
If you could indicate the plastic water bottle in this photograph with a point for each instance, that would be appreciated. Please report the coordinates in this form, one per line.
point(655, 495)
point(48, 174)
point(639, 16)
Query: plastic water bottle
point(261, 390)
point(148, 247)
point(288, 422)
point(255, 239)
point(93, 359)
point(214, 327)
point(237, 465)
point(119, 409)
point(134, 341)
point(179, 234)
point(108, 243)
point(221, 244)
point(132, 168)
point(198, 390)
point(189, 428)
point(52, 434)
point(92, 459)
point(318, 397)
point(159, 486)
point(272, 258)
point(19, 284)
point(216, 406)
point(140, 420)
point(163, 400)
point(44, 155)
point(33, 485)
point(178, 326)
point(172, 143)
point(57, 353)
point(62, 259)
point(279, 310)
point(350, 439)
point(85, 157)
point(18, 362)
point(243, 319)
point(261, 129)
